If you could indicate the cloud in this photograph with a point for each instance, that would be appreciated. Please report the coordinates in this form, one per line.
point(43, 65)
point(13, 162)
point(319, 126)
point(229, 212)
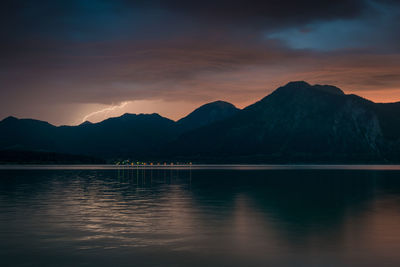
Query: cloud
point(269, 13)
point(376, 28)
point(96, 19)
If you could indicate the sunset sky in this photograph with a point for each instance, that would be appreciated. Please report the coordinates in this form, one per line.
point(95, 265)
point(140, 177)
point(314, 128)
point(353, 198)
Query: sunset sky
point(67, 61)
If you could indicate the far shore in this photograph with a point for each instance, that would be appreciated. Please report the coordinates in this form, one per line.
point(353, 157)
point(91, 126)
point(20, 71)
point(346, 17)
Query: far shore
point(202, 167)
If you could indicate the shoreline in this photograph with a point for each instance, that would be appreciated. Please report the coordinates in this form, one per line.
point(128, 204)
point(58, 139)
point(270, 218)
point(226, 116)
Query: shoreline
point(202, 167)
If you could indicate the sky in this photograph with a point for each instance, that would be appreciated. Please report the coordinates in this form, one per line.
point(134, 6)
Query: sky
point(68, 61)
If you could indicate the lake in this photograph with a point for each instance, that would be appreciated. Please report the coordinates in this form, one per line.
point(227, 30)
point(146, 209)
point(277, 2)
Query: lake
point(236, 215)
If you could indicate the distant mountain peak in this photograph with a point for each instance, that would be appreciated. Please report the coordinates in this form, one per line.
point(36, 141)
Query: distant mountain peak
point(14, 120)
point(208, 113)
point(86, 123)
point(126, 115)
point(217, 104)
point(297, 86)
point(10, 118)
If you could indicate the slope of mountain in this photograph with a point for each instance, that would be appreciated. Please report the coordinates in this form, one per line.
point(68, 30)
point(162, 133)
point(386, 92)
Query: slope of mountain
point(207, 114)
point(85, 123)
point(299, 122)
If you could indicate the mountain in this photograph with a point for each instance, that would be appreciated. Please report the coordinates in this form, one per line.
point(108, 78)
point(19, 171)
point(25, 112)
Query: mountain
point(27, 134)
point(207, 114)
point(129, 135)
point(297, 122)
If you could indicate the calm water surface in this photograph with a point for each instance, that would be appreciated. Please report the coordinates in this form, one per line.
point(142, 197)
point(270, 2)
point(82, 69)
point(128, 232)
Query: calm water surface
point(292, 216)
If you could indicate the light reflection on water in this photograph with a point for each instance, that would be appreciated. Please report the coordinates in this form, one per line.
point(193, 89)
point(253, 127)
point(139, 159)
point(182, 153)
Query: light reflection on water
point(200, 217)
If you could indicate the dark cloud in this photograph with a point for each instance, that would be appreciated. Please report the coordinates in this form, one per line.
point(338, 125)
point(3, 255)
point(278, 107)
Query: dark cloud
point(77, 19)
point(269, 13)
point(97, 20)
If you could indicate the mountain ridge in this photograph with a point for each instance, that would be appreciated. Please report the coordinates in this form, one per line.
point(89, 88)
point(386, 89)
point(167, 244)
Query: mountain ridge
point(297, 122)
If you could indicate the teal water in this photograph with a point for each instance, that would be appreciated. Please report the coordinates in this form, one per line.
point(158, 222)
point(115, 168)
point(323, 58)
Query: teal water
point(200, 216)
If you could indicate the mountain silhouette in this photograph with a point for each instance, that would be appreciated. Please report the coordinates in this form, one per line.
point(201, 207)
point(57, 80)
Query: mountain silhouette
point(207, 114)
point(301, 123)
point(85, 123)
point(27, 134)
point(127, 135)
point(297, 122)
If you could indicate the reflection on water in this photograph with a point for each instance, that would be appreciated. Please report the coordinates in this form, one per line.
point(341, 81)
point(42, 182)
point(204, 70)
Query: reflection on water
point(200, 217)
